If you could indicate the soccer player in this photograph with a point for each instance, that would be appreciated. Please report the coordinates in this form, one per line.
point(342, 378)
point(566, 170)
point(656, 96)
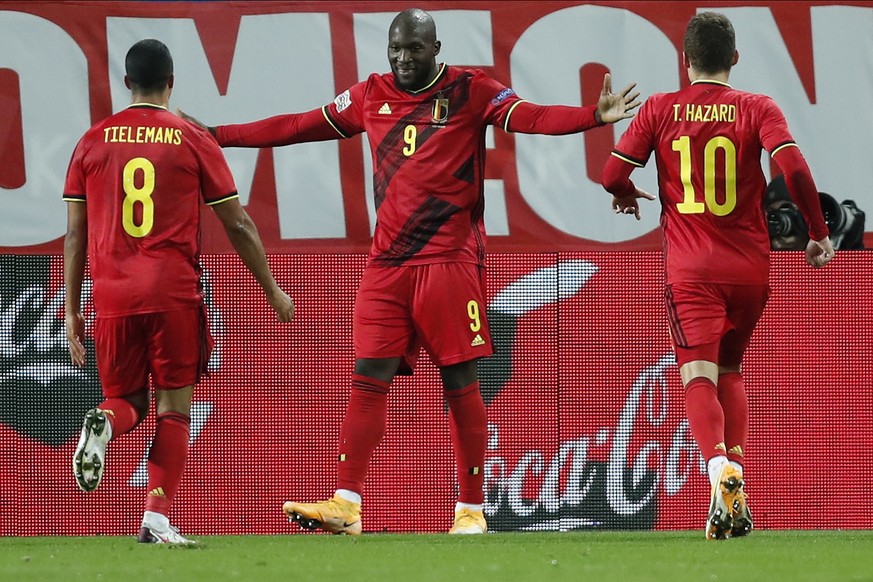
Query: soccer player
point(708, 139)
point(134, 189)
point(424, 283)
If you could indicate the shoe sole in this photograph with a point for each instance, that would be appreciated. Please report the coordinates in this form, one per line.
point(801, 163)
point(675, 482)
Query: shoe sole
point(467, 531)
point(84, 460)
point(312, 524)
point(742, 525)
point(146, 536)
point(719, 522)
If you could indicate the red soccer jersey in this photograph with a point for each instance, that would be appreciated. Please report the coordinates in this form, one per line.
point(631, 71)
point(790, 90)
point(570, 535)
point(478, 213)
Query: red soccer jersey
point(708, 139)
point(142, 173)
point(428, 150)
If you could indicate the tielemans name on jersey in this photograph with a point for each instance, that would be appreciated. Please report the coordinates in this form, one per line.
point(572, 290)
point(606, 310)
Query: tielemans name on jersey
point(715, 112)
point(128, 134)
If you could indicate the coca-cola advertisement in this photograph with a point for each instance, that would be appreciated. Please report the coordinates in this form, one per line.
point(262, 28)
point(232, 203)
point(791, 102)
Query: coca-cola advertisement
point(586, 420)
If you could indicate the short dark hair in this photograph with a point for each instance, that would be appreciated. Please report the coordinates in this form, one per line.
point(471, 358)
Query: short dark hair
point(710, 42)
point(148, 65)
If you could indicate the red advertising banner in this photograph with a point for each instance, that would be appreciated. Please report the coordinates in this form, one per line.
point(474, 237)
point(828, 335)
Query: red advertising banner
point(241, 61)
point(586, 420)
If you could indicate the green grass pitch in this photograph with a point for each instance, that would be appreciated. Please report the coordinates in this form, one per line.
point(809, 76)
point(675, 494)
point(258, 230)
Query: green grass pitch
point(507, 557)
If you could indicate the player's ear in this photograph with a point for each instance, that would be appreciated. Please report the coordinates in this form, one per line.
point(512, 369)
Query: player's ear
point(685, 62)
point(170, 81)
point(127, 81)
point(736, 57)
point(436, 47)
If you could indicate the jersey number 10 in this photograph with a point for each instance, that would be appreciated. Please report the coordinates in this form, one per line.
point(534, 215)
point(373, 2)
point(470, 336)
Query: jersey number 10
point(690, 204)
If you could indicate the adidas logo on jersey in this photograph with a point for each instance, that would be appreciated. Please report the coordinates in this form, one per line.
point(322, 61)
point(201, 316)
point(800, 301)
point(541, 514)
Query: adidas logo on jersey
point(477, 341)
point(384, 110)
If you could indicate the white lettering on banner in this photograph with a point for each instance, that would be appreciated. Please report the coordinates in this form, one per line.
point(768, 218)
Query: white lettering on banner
point(29, 353)
point(41, 337)
point(282, 63)
point(552, 179)
point(645, 410)
point(551, 169)
point(833, 132)
point(546, 165)
point(55, 111)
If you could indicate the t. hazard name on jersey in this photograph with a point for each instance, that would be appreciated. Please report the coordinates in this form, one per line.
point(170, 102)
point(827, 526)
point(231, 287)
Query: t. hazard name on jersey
point(726, 112)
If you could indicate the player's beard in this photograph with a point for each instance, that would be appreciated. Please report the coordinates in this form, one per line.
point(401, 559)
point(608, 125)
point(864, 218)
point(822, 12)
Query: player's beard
point(410, 78)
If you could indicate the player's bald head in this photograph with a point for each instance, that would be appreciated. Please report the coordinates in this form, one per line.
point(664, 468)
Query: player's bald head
point(415, 19)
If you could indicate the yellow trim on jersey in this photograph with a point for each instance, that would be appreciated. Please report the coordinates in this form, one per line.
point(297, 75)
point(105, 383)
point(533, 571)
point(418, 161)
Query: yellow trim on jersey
point(432, 83)
point(713, 81)
point(331, 123)
point(628, 160)
point(225, 199)
point(782, 147)
point(511, 109)
point(71, 199)
point(152, 105)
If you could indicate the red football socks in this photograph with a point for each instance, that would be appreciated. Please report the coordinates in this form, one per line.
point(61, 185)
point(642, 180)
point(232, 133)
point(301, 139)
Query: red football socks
point(469, 429)
point(167, 458)
point(735, 404)
point(362, 430)
point(705, 416)
point(122, 415)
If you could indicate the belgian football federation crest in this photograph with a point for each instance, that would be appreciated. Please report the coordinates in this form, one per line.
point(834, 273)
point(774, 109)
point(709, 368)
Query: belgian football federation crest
point(440, 113)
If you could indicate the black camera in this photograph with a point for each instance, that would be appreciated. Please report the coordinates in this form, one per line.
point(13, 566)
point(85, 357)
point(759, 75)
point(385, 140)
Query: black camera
point(788, 230)
point(785, 220)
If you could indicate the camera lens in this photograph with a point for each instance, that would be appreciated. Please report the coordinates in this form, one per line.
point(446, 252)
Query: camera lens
point(834, 213)
point(780, 221)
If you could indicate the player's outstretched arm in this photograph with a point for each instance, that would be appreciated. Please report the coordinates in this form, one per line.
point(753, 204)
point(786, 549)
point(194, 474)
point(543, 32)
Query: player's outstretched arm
point(244, 237)
point(279, 130)
point(820, 252)
point(612, 107)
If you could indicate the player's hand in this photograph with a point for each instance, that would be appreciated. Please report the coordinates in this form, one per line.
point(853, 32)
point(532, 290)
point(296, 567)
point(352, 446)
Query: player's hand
point(629, 204)
point(194, 120)
point(612, 107)
point(819, 252)
point(75, 324)
point(282, 304)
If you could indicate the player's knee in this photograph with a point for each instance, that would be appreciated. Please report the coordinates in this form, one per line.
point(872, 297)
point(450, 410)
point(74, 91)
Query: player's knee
point(382, 369)
point(140, 402)
point(459, 376)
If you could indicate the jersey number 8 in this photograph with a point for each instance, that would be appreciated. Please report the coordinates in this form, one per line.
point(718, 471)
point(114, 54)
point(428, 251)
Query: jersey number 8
point(134, 194)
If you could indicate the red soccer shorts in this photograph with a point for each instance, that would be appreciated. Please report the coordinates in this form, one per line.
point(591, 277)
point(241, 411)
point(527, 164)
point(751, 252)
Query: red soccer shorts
point(172, 346)
point(713, 322)
point(440, 307)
